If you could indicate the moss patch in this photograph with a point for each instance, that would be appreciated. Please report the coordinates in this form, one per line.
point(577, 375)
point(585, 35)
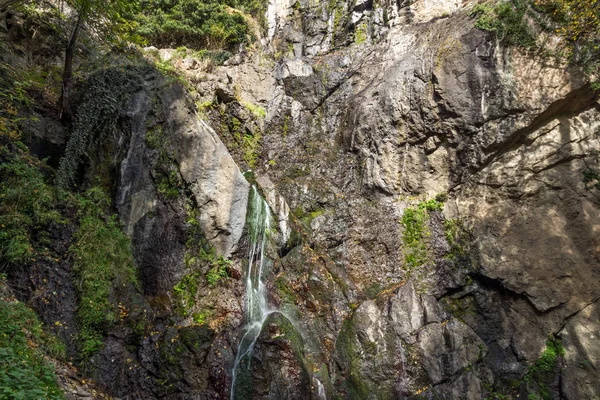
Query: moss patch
point(415, 234)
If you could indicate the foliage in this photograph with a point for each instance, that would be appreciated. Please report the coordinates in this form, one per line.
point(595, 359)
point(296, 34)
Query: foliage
point(218, 271)
point(257, 111)
point(201, 317)
point(506, 20)
point(579, 19)
point(169, 184)
point(103, 262)
point(360, 34)
point(105, 93)
point(250, 147)
point(185, 291)
point(454, 231)
point(13, 95)
point(548, 360)
point(247, 141)
point(24, 372)
point(414, 222)
point(591, 178)
point(27, 205)
point(578, 23)
point(200, 253)
point(22, 86)
point(192, 23)
point(110, 20)
point(102, 259)
point(218, 57)
point(520, 23)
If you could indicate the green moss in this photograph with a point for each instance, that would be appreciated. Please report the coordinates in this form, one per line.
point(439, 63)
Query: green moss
point(347, 348)
point(455, 236)
point(337, 19)
point(460, 308)
point(360, 35)
point(169, 184)
point(286, 126)
point(205, 107)
point(373, 290)
point(237, 137)
point(199, 255)
point(201, 317)
point(548, 360)
point(286, 294)
point(296, 171)
point(154, 138)
point(251, 146)
point(257, 111)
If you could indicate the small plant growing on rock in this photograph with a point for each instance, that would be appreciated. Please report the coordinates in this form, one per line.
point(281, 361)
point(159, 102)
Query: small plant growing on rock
point(218, 271)
point(414, 222)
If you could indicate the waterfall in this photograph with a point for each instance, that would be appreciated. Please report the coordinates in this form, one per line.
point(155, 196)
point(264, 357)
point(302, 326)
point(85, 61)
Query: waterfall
point(321, 390)
point(258, 221)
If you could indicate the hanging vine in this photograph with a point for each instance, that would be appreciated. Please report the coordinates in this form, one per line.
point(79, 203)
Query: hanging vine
point(105, 94)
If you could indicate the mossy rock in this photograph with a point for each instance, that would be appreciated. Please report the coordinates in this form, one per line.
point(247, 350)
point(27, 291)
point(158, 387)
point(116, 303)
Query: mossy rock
point(277, 363)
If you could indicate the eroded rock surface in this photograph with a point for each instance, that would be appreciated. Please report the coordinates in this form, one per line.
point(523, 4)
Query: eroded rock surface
point(436, 225)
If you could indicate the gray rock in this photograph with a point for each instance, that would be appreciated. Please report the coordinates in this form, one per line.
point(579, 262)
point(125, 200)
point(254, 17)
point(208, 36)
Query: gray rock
point(580, 338)
point(218, 186)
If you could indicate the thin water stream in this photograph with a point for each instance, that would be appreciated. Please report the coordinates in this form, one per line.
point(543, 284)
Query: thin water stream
point(256, 306)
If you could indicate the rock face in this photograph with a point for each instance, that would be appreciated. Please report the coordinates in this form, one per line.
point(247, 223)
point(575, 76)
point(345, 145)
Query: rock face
point(170, 139)
point(436, 204)
point(373, 109)
point(379, 106)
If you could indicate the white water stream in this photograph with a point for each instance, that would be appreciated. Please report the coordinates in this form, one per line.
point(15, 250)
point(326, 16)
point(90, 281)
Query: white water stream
point(257, 309)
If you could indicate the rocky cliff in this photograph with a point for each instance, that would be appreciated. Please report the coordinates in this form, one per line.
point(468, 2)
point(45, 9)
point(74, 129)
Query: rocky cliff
point(435, 201)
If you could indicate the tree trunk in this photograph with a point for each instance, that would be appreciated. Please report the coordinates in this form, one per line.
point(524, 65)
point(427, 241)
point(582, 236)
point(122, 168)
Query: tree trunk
point(65, 112)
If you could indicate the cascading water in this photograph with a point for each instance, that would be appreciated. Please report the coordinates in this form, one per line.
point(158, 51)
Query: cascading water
point(321, 391)
point(256, 307)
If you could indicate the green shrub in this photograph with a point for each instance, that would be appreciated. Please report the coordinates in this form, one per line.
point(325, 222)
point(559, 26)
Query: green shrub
point(506, 20)
point(201, 317)
point(576, 22)
point(102, 263)
point(218, 271)
point(185, 292)
point(250, 147)
point(414, 222)
point(24, 372)
point(454, 232)
point(169, 184)
point(27, 205)
point(192, 23)
point(199, 254)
